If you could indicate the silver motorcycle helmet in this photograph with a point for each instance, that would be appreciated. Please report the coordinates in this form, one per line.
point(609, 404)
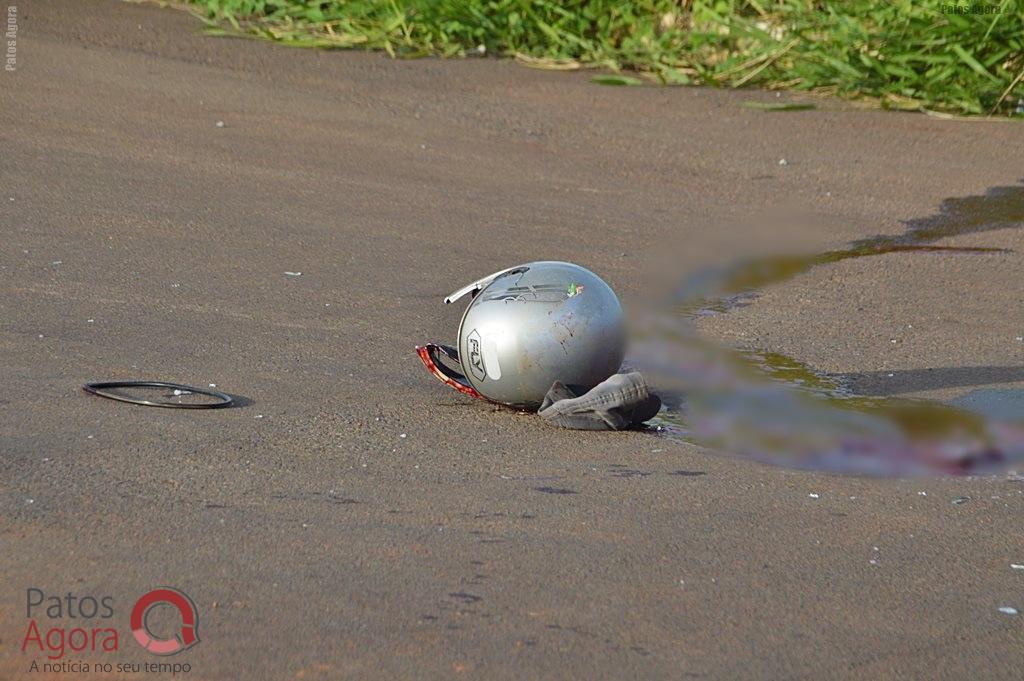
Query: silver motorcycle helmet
point(527, 327)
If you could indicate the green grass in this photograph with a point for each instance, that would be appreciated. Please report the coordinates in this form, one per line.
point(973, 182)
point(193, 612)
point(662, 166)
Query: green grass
point(904, 54)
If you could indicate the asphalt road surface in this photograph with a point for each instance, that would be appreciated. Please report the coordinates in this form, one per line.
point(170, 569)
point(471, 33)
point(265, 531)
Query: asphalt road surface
point(354, 519)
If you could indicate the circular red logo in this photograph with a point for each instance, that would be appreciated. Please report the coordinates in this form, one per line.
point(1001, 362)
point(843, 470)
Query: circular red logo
point(186, 638)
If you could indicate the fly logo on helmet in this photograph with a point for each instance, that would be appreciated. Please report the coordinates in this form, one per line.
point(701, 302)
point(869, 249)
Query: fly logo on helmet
point(476, 358)
point(527, 327)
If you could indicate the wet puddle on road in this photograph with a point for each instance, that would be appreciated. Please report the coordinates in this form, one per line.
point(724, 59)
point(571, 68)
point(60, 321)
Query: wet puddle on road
point(772, 408)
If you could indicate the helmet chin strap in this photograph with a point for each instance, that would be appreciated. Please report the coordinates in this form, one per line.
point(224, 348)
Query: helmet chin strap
point(431, 355)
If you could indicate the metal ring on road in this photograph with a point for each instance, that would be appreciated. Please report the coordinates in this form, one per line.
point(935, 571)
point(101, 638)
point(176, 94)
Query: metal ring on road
point(102, 389)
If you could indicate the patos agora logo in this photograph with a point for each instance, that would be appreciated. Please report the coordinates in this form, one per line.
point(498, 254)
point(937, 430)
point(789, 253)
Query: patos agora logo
point(70, 624)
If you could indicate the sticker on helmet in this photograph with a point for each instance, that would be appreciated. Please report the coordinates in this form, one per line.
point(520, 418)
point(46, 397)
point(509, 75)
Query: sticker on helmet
point(490, 355)
point(536, 293)
point(476, 357)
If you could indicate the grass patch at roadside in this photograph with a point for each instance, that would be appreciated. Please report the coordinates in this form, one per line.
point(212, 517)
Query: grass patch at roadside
point(903, 54)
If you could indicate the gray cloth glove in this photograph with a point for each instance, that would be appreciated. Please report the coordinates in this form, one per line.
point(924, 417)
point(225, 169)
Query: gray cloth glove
point(620, 402)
